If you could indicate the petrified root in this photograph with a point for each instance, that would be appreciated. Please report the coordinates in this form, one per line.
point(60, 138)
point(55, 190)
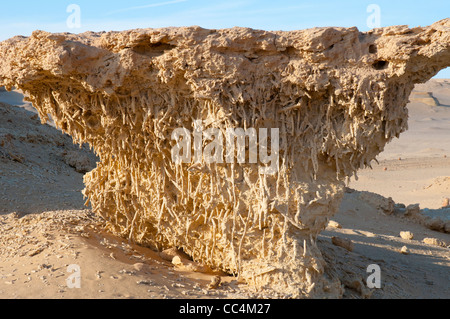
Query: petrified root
point(336, 95)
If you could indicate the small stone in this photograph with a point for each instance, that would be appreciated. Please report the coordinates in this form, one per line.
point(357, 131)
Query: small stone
point(344, 243)
point(334, 224)
point(406, 235)
point(434, 242)
point(404, 250)
point(177, 261)
point(215, 282)
point(413, 209)
point(446, 203)
point(145, 282)
point(139, 266)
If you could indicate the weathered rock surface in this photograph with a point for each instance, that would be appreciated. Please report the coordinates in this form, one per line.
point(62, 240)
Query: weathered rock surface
point(337, 96)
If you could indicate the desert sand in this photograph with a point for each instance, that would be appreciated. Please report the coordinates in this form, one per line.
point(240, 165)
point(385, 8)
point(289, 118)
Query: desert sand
point(45, 227)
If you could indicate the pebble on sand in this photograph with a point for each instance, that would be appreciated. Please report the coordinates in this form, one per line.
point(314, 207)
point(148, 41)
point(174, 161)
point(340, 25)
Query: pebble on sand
point(404, 250)
point(344, 243)
point(406, 235)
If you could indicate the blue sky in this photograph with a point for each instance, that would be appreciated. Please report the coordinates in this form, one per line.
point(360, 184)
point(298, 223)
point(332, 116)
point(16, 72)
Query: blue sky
point(23, 17)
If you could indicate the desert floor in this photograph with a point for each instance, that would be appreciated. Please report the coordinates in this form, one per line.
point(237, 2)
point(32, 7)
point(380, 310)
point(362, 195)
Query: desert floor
point(45, 227)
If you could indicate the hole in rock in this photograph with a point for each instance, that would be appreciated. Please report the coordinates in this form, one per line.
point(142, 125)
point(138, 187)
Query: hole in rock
point(373, 49)
point(380, 65)
point(153, 49)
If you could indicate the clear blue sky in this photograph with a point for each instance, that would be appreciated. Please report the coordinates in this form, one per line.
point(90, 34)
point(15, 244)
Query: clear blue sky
point(23, 17)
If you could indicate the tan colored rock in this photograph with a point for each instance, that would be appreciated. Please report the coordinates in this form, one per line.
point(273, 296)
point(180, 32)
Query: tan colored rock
point(342, 242)
point(445, 202)
point(187, 265)
point(435, 224)
point(412, 210)
point(334, 224)
point(406, 235)
point(404, 250)
point(434, 242)
point(335, 100)
point(383, 204)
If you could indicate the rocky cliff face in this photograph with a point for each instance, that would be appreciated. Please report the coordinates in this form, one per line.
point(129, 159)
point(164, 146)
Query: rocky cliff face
point(336, 95)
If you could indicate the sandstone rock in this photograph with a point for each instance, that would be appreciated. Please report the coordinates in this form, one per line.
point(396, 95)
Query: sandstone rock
point(79, 161)
point(383, 204)
point(342, 242)
point(404, 250)
point(412, 210)
point(435, 224)
point(337, 96)
point(434, 242)
point(406, 235)
point(215, 282)
point(334, 224)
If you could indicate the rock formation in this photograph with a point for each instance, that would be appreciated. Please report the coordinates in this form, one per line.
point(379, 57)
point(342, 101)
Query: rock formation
point(336, 95)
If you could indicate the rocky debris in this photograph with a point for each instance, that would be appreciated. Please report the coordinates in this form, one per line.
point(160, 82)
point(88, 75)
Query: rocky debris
point(14, 230)
point(337, 96)
point(435, 242)
point(215, 282)
point(357, 284)
point(342, 242)
point(412, 210)
point(81, 162)
point(404, 250)
point(406, 235)
point(383, 204)
point(188, 265)
point(334, 224)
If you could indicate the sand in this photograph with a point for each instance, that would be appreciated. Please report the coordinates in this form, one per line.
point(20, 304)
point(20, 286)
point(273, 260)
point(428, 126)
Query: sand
point(45, 227)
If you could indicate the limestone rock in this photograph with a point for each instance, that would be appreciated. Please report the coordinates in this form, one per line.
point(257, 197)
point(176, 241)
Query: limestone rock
point(435, 242)
point(342, 242)
point(337, 96)
point(406, 235)
point(412, 210)
point(404, 250)
point(334, 224)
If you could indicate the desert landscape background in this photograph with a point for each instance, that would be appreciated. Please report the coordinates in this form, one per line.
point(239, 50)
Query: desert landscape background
point(45, 227)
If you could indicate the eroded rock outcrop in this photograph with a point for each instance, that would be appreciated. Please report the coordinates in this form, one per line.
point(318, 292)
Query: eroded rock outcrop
point(336, 95)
